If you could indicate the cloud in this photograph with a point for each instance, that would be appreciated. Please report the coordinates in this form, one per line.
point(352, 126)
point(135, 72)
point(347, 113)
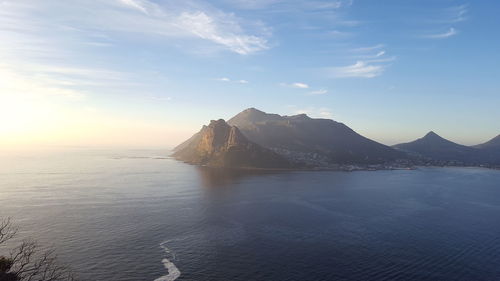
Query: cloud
point(374, 57)
point(318, 16)
point(135, 5)
point(368, 49)
point(315, 112)
point(447, 18)
point(375, 52)
point(175, 21)
point(452, 15)
point(252, 4)
point(370, 62)
point(338, 34)
point(225, 79)
point(359, 69)
point(451, 32)
point(322, 5)
point(457, 13)
point(300, 85)
point(297, 85)
point(34, 84)
point(318, 92)
point(207, 27)
point(48, 47)
point(284, 5)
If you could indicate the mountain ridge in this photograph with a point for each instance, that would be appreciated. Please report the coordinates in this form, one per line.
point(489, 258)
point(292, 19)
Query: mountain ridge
point(492, 143)
point(298, 140)
point(300, 137)
point(439, 150)
point(256, 139)
point(221, 145)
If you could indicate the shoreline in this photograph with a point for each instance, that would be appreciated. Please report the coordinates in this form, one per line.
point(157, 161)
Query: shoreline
point(341, 168)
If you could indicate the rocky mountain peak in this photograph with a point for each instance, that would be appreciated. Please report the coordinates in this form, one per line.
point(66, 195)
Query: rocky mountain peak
point(432, 135)
point(222, 145)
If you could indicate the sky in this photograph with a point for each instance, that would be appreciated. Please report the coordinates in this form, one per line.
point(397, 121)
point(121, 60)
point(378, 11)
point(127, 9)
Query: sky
point(152, 72)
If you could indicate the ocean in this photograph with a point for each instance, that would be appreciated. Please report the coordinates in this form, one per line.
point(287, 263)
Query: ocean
point(140, 215)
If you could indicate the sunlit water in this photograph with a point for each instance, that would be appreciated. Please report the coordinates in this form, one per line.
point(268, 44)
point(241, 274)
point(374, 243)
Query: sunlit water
point(137, 215)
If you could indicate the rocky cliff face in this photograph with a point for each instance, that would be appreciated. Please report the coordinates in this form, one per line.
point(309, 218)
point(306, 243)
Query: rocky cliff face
point(221, 145)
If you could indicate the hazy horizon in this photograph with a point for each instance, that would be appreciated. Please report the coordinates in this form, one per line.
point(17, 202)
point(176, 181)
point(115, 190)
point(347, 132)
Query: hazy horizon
point(150, 73)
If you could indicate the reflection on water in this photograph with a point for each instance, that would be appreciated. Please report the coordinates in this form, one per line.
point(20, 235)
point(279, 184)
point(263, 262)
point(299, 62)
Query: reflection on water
point(219, 177)
point(133, 215)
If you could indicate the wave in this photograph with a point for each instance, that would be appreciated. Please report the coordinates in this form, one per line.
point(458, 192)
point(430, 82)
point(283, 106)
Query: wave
point(173, 271)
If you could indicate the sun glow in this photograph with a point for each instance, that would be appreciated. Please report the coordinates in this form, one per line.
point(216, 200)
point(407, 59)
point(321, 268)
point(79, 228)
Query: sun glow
point(27, 122)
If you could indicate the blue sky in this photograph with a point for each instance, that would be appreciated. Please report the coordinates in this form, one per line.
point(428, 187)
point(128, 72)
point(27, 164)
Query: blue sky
point(151, 72)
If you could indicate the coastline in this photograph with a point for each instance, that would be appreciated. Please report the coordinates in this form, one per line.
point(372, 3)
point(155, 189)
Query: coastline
point(343, 167)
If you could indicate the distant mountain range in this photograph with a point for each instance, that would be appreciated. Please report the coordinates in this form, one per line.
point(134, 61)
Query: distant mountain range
point(435, 147)
point(255, 139)
point(494, 143)
point(437, 150)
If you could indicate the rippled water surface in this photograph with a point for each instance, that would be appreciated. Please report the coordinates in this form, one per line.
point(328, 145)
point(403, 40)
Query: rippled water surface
point(137, 215)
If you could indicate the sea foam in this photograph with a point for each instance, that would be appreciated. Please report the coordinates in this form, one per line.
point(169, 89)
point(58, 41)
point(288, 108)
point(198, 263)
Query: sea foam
point(173, 271)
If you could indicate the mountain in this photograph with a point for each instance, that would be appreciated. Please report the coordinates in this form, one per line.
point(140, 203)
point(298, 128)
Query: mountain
point(255, 139)
point(222, 145)
point(494, 143)
point(316, 142)
point(490, 150)
point(435, 147)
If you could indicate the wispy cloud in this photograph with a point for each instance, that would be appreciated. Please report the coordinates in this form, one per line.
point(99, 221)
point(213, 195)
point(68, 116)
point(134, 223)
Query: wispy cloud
point(368, 49)
point(297, 85)
point(225, 79)
point(370, 62)
point(338, 34)
point(35, 84)
point(314, 16)
point(444, 19)
point(252, 4)
point(168, 19)
point(207, 27)
point(136, 5)
point(318, 92)
point(451, 32)
point(359, 69)
point(457, 13)
point(451, 15)
point(282, 5)
point(200, 21)
point(314, 112)
point(47, 47)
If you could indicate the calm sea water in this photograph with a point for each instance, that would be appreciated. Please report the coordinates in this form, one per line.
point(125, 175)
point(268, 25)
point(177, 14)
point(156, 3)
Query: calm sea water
point(137, 215)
